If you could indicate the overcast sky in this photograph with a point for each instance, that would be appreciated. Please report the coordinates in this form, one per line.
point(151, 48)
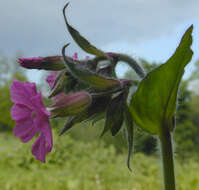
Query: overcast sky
point(142, 28)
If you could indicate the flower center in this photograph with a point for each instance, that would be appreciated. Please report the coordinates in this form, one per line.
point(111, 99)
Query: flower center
point(33, 114)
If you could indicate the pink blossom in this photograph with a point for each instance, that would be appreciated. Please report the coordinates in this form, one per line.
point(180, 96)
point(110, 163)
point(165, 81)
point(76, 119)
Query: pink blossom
point(75, 56)
point(31, 118)
point(31, 61)
point(52, 63)
point(51, 78)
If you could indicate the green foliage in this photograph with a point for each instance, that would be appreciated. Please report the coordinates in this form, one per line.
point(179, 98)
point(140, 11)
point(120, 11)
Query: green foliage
point(195, 74)
point(76, 165)
point(153, 105)
point(5, 106)
point(6, 123)
point(187, 120)
point(186, 133)
point(195, 110)
point(4, 67)
point(144, 142)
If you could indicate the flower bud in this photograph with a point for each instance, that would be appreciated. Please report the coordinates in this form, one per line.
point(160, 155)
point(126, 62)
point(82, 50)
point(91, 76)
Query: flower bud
point(53, 63)
point(71, 104)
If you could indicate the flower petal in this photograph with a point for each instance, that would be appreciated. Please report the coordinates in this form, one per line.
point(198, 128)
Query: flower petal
point(25, 129)
point(48, 138)
point(51, 78)
point(43, 144)
point(22, 91)
point(39, 106)
point(19, 112)
point(75, 56)
point(38, 148)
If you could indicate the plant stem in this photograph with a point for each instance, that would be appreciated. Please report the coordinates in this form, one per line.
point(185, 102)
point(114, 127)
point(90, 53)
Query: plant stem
point(132, 63)
point(167, 158)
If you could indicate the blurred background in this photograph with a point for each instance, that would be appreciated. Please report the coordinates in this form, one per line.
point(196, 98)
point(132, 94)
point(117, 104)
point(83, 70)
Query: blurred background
point(147, 30)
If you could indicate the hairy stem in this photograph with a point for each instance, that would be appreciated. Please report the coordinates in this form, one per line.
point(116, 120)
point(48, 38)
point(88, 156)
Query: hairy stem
point(167, 158)
point(132, 63)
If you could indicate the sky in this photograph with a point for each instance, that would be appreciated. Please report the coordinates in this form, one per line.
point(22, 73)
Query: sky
point(149, 29)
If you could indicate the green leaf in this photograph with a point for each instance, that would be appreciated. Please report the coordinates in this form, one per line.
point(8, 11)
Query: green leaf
point(88, 77)
point(80, 40)
point(114, 115)
point(153, 105)
point(129, 133)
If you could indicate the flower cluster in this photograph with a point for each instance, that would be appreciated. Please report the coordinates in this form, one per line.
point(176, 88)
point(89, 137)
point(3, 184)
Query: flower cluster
point(81, 90)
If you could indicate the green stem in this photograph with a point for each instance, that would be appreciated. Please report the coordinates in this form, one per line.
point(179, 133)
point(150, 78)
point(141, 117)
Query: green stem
point(167, 158)
point(132, 63)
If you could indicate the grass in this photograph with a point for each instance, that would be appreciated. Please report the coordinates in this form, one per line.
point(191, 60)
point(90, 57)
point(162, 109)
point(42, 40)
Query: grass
point(77, 165)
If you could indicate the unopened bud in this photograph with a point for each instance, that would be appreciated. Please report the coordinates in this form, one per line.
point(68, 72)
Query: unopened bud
point(71, 104)
point(53, 63)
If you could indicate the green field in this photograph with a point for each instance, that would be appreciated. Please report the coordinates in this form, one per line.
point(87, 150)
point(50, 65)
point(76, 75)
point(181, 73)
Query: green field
point(77, 165)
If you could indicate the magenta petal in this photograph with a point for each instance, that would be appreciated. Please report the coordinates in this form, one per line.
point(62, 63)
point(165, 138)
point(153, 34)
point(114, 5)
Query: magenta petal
point(38, 148)
point(22, 91)
point(25, 129)
point(48, 138)
point(58, 96)
point(75, 56)
point(31, 62)
point(19, 112)
point(51, 78)
point(43, 144)
point(38, 105)
point(30, 59)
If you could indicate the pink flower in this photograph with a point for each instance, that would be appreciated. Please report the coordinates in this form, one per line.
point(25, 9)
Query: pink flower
point(30, 62)
point(51, 78)
point(75, 56)
point(53, 63)
point(31, 118)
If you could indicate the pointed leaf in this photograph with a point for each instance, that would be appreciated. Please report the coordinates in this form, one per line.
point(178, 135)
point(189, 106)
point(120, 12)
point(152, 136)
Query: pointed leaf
point(154, 103)
point(114, 115)
point(129, 133)
point(80, 40)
